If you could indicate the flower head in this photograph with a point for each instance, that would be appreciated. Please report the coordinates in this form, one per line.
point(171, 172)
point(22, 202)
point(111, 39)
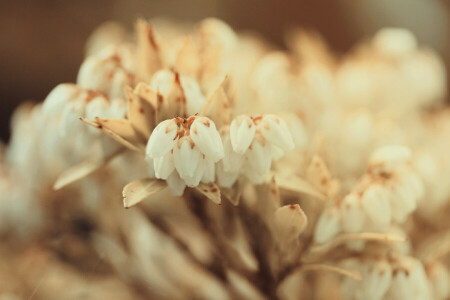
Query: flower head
point(187, 148)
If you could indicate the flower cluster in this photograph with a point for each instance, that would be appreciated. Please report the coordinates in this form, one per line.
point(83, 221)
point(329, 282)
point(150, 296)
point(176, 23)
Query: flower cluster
point(266, 174)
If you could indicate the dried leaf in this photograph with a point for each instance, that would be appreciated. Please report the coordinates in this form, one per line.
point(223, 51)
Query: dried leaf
point(144, 91)
point(140, 113)
point(138, 148)
point(217, 107)
point(121, 127)
point(290, 221)
point(82, 170)
point(148, 51)
point(322, 267)
point(317, 173)
point(187, 59)
point(211, 191)
point(138, 190)
point(233, 194)
point(175, 102)
point(298, 185)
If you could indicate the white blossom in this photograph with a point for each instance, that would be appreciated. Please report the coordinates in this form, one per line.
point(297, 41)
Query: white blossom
point(184, 151)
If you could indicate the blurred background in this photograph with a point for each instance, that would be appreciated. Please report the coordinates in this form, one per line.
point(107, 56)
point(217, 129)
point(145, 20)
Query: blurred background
point(42, 41)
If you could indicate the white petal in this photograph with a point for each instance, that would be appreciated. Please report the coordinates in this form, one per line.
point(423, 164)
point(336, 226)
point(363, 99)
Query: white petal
point(209, 171)
point(375, 202)
point(403, 201)
point(327, 226)
point(275, 130)
point(151, 167)
point(242, 132)
point(207, 138)
point(186, 157)
point(194, 180)
point(194, 97)
point(376, 280)
point(164, 165)
point(254, 176)
point(59, 97)
point(352, 213)
point(162, 139)
point(259, 157)
point(232, 161)
point(386, 158)
point(225, 179)
point(96, 108)
point(176, 184)
point(277, 152)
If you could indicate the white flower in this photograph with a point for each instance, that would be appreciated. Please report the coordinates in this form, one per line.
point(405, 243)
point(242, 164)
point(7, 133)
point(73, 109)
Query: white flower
point(376, 280)
point(163, 81)
point(353, 217)
point(255, 142)
point(242, 132)
point(409, 281)
point(387, 158)
point(109, 71)
point(184, 151)
point(375, 203)
point(328, 225)
point(68, 103)
point(394, 42)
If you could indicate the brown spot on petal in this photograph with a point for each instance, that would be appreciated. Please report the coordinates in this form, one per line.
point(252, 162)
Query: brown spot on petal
point(141, 110)
point(292, 206)
point(214, 190)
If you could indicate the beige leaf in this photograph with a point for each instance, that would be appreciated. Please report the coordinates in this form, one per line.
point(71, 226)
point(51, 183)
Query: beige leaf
point(211, 191)
point(140, 113)
point(217, 107)
point(187, 59)
point(146, 93)
point(138, 190)
point(82, 170)
point(322, 267)
point(175, 102)
point(233, 194)
point(121, 127)
point(135, 147)
point(290, 221)
point(317, 173)
point(298, 185)
point(148, 51)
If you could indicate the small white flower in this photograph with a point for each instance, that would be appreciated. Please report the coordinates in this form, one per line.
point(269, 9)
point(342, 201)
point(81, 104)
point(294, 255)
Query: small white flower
point(206, 137)
point(352, 213)
point(375, 203)
point(376, 280)
point(387, 158)
point(250, 145)
point(328, 225)
point(108, 71)
point(242, 132)
point(184, 151)
point(275, 130)
point(163, 81)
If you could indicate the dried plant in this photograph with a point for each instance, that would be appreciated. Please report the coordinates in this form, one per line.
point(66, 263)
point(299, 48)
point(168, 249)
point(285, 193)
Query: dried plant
point(249, 172)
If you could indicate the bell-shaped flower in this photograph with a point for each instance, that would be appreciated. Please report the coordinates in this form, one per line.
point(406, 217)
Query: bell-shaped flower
point(184, 151)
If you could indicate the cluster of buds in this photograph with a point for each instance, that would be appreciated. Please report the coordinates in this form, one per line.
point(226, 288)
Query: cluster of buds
point(267, 174)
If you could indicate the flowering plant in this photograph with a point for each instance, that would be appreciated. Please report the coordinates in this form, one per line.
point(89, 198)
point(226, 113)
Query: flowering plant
point(250, 172)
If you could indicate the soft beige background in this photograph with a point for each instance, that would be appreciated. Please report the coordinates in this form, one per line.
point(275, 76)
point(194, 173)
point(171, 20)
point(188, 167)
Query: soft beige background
point(42, 40)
